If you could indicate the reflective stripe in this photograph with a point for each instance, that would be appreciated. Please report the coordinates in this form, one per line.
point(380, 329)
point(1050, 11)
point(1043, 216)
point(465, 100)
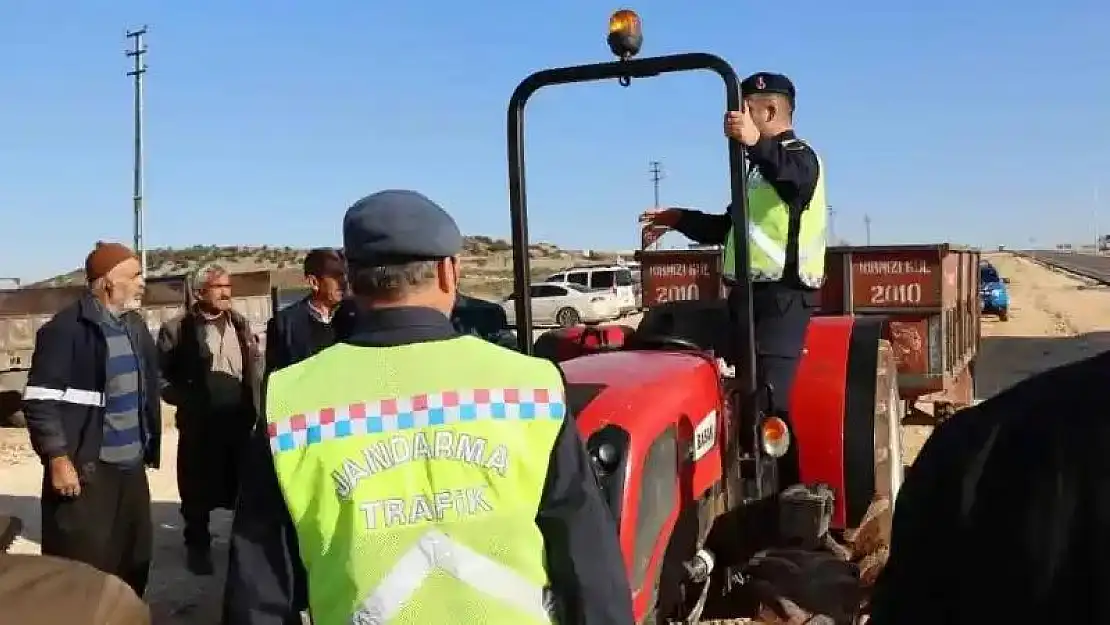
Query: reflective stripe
point(68, 396)
point(773, 250)
point(436, 551)
point(767, 244)
point(418, 411)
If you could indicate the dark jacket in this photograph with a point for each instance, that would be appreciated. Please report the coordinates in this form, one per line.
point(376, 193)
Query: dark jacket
point(66, 383)
point(293, 334)
point(186, 361)
point(266, 584)
point(483, 319)
point(1005, 515)
point(211, 442)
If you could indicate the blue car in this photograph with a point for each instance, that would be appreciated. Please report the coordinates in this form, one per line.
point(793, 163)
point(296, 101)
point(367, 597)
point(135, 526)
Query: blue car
point(993, 298)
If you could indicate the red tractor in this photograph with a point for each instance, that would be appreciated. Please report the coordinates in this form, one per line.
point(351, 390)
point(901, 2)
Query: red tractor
point(683, 445)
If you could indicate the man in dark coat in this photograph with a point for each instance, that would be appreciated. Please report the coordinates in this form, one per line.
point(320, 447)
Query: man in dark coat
point(211, 365)
point(1005, 514)
point(94, 419)
point(304, 328)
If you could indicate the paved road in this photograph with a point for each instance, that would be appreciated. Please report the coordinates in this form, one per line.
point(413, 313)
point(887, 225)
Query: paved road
point(1087, 265)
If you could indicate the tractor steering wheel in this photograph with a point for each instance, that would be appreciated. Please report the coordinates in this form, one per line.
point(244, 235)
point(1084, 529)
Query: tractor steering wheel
point(662, 341)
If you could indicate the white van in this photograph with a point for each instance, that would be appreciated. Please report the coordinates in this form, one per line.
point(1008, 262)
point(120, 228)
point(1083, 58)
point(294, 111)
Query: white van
point(614, 278)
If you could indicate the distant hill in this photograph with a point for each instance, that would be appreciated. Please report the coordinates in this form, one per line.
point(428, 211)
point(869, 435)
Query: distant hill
point(487, 262)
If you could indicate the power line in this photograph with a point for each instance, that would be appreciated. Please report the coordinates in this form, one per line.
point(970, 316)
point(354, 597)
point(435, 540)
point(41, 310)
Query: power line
point(137, 52)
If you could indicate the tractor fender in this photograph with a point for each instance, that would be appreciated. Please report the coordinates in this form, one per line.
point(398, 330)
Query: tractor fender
point(845, 422)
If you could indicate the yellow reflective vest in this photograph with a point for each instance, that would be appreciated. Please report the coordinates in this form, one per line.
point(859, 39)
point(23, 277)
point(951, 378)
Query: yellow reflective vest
point(769, 232)
point(413, 475)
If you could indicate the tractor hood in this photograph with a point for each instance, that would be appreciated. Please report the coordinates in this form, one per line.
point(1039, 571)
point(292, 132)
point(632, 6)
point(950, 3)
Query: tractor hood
point(634, 389)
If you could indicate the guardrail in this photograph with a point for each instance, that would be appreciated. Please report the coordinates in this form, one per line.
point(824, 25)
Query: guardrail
point(1089, 266)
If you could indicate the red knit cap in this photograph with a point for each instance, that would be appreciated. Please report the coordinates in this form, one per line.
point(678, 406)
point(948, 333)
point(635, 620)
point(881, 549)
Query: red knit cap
point(104, 258)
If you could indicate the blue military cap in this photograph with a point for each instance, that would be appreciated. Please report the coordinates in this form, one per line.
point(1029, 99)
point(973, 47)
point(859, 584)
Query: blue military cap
point(766, 82)
point(397, 226)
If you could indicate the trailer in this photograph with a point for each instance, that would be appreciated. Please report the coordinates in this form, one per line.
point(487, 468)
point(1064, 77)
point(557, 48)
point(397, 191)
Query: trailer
point(24, 311)
point(258, 294)
point(929, 296)
point(926, 295)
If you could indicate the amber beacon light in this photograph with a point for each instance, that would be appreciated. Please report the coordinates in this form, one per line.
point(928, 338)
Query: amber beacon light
point(625, 35)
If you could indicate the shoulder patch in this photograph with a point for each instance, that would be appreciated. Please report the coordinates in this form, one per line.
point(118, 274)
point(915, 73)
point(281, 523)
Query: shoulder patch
point(796, 145)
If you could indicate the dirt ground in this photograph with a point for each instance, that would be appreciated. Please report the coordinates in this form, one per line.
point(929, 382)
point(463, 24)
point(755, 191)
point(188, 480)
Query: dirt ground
point(1053, 319)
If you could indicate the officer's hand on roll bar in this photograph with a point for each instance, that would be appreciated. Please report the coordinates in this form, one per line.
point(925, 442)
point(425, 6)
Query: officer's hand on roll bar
point(740, 126)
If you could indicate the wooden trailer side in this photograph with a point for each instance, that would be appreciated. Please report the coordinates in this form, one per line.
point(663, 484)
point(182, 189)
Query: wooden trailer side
point(928, 293)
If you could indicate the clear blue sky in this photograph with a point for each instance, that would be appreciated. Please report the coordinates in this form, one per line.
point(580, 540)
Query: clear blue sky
point(976, 121)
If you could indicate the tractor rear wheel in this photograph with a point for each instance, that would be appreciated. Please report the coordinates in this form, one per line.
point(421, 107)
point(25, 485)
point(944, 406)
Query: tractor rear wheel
point(869, 543)
point(889, 411)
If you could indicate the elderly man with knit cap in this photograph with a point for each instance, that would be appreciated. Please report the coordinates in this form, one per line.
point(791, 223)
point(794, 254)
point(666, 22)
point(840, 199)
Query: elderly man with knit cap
point(94, 417)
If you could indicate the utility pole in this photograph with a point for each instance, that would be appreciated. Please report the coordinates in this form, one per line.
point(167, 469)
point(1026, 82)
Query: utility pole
point(867, 227)
point(137, 52)
point(656, 169)
point(1094, 210)
point(832, 226)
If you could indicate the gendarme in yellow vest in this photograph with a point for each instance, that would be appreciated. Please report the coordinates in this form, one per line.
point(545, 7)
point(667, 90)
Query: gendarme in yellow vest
point(413, 475)
point(769, 231)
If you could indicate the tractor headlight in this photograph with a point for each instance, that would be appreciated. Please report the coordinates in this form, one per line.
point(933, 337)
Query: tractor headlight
point(606, 458)
point(774, 436)
point(609, 453)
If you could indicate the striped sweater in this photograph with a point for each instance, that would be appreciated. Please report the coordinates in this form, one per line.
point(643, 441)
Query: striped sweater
point(123, 429)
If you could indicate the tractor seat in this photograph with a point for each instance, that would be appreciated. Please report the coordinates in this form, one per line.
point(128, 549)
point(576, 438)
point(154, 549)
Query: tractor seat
point(703, 323)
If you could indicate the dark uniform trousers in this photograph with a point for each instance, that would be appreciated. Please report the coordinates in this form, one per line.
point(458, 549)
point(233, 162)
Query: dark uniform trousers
point(780, 314)
point(107, 526)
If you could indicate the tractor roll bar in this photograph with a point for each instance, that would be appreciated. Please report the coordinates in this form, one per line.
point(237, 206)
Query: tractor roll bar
point(518, 202)
point(745, 402)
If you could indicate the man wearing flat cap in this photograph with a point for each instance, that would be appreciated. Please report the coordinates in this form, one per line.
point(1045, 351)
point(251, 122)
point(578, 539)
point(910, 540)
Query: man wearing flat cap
point(94, 417)
point(786, 231)
point(412, 474)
